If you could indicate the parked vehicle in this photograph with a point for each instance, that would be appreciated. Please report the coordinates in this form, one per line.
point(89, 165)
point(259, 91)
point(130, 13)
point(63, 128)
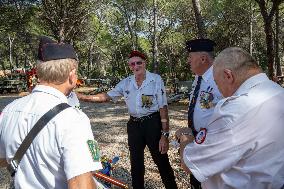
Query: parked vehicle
point(14, 83)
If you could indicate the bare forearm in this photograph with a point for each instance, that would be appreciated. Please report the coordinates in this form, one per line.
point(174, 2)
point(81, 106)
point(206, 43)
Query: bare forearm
point(101, 97)
point(3, 162)
point(164, 118)
point(83, 181)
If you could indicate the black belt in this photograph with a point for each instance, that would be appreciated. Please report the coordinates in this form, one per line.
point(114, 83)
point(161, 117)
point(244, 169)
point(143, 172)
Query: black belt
point(141, 119)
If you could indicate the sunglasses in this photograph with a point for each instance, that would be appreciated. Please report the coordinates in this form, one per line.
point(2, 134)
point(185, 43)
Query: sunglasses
point(135, 63)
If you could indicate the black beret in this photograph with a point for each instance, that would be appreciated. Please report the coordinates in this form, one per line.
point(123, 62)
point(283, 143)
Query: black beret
point(51, 50)
point(200, 45)
point(138, 54)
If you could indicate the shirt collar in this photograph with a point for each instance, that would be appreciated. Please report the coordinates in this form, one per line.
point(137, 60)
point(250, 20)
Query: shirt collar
point(250, 83)
point(51, 91)
point(149, 78)
point(208, 74)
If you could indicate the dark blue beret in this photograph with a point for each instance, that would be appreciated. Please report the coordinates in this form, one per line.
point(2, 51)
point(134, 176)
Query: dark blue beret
point(51, 50)
point(200, 45)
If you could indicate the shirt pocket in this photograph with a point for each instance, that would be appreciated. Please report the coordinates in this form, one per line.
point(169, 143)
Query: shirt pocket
point(148, 99)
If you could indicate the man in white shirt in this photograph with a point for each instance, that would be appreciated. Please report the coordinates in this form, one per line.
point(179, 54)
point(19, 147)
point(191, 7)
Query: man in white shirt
point(242, 146)
point(145, 97)
point(204, 94)
point(64, 153)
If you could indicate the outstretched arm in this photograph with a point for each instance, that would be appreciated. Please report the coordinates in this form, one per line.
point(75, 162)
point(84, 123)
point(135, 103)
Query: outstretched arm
point(101, 97)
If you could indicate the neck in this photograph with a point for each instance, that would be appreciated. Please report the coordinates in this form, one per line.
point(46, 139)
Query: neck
point(204, 69)
point(61, 87)
point(140, 77)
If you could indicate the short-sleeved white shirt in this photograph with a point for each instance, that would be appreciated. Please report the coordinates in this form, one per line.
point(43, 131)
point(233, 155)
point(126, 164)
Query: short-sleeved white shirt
point(149, 98)
point(244, 145)
point(207, 99)
point(59, 152)
point(73, 100)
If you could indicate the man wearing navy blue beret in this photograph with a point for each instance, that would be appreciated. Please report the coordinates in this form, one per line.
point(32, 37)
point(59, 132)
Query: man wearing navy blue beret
point(62, 154)
point(204, 94)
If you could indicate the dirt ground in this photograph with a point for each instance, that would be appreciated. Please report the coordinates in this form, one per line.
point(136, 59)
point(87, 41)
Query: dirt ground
point(109, 127)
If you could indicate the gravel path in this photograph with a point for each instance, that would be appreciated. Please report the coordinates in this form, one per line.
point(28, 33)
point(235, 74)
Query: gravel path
point(109, 126)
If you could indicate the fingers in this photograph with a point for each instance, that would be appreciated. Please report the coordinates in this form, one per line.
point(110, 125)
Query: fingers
point(182, 131)
point(163, 145)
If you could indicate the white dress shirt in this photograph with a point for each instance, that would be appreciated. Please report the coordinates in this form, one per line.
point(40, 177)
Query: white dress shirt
point(59, 152)
point(208, 97)
point(149, 98)
point(244, 144)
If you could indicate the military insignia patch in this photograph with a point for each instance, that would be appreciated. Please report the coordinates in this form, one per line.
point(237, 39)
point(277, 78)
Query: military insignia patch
point(94, 150)
point(201, 135)
point(206, 98)
point(147, 101)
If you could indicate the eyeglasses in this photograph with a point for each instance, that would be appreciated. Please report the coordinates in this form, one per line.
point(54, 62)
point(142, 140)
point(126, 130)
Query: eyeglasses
point(135, 63)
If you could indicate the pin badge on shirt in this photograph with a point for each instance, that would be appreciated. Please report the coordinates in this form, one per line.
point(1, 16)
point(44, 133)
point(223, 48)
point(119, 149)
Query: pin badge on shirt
point(201, 135)
point(206, 99)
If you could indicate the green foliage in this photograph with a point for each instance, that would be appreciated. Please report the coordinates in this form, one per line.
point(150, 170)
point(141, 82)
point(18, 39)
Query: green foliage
point(104, 32)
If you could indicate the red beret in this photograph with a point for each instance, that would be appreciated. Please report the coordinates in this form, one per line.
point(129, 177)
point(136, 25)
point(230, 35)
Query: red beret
point(138, 54)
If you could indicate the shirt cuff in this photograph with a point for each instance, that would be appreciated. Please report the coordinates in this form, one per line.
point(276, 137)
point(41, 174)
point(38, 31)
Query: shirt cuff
point(192, 167)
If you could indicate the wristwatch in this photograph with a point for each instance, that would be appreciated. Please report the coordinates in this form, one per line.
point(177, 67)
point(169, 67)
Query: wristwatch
point(166, 134)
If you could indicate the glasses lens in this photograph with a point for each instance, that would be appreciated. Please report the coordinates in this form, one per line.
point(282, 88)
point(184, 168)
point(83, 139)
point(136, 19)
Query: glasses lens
point(135, 63)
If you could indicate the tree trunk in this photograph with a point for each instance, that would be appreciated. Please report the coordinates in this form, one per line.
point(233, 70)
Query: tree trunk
point(155, 47)
point(251, 30)
point(199, 19)
point(11, 40)
point(268, 18)
point(90, 62)
point(277, 57)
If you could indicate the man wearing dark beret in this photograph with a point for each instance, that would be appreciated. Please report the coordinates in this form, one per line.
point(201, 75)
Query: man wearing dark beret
point(145, 97)
point(204, 94)
point(60, 156)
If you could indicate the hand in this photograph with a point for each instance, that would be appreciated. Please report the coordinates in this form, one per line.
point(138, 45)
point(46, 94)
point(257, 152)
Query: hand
point(163, 145)
point(182, 131)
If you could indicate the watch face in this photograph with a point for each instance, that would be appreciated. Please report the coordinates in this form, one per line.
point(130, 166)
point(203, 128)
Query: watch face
point(166, 134)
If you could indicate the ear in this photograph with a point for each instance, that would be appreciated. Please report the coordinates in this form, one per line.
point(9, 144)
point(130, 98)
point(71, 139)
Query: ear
point(203, 58)
point(229, 76)
point(72, 77)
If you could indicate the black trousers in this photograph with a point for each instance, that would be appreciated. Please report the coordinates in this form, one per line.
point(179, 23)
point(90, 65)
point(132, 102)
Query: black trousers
point(195, 184)
point(140, 134)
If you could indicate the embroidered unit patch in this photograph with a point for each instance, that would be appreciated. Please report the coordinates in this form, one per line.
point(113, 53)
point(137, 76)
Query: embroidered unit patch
point(147, 101)
point(206, 98)
point(201, 135)
point(94, 150)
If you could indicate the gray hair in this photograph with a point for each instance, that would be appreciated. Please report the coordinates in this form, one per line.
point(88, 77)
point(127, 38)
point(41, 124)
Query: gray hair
point(56, 71)
point(237, 60)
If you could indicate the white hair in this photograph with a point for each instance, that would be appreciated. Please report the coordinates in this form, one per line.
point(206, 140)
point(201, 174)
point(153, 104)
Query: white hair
point(56, 71)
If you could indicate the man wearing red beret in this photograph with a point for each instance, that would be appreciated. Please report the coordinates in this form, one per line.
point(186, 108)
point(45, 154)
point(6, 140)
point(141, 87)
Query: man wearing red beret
point(145, 97)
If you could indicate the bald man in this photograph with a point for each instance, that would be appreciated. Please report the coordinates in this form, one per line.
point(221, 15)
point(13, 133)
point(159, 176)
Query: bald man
point(243, 146)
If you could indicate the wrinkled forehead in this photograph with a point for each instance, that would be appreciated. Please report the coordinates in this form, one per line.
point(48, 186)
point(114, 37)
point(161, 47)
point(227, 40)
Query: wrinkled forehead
point(135, 59)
